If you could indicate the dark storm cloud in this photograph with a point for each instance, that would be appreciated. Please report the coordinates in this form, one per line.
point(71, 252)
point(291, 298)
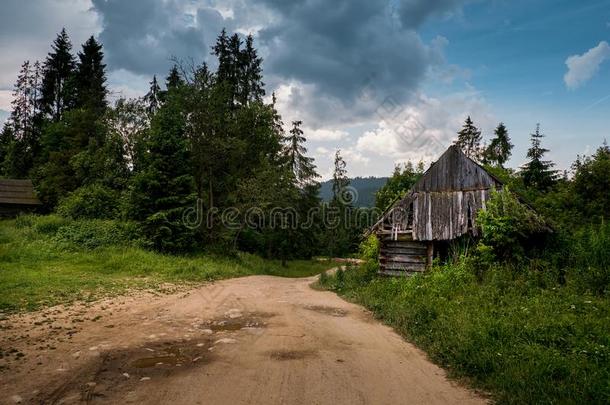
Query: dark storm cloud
point(347, 48)
point(142, 36)
point(341, 48)
point(344, 46)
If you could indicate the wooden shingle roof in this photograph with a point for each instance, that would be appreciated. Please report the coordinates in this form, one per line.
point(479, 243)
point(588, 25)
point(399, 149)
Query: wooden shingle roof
point(17, 192)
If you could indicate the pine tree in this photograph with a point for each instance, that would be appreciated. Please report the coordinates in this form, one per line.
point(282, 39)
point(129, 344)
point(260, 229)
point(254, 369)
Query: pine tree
point(91, 77)
point(301, 166)
point(152, 99)
point(22, 108)
point(251, 74)
point(499, 150)
point(58, 79)
point(221, 51)
point(227, 50)
point(25, 122)
point(164, 187)
point(340, 180)
point(173, 80)
point(277, 125)
point(469, 140)
point(537, 172)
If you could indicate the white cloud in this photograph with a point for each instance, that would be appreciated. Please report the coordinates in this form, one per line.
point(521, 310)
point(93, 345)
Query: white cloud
point(581, 68)
point(6, 96)
point(325, 135)
point(423, 129)
point(123, 83)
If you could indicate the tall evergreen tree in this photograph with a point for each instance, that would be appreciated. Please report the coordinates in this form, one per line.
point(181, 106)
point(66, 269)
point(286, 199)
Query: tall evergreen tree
point(152, 99)
point(469, 140)
point(58, 80)
point(164, 187)
point(537, 172)
point(227, 50)
point(173, 79)
point(301, 166)
point(252, 86)
point(25, 122)
point(91, 77)
point(499, 150)
point(338, 237)
point(340, 179)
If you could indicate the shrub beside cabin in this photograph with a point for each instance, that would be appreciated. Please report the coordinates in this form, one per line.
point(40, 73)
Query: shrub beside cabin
point(439, 208)
point(16, 197)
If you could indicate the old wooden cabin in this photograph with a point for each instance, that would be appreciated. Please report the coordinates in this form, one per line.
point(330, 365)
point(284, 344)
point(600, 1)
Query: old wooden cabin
point(17, 196)
point(442, 206)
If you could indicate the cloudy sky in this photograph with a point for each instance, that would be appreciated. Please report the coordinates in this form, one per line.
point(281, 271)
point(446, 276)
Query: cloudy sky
point(383, 80)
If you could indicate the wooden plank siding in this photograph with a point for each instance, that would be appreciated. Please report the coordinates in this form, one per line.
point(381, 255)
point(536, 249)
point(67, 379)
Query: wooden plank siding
point(17, 196)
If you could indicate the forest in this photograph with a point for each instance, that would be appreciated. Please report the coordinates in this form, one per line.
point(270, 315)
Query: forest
point(200, 162)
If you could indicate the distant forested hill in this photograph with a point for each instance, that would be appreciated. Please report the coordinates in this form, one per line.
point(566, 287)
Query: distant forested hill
point(366, 187)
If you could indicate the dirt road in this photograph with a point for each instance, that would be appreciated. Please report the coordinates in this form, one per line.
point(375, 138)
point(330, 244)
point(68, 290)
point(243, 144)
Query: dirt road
point(253, 340)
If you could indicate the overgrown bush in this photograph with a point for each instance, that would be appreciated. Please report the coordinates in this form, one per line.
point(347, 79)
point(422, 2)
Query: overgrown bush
point(167, 232)
point(506, 225)
point(96, 233)
point(92, 201)
point(42, 224)
point(589, 258)
point(369, 248)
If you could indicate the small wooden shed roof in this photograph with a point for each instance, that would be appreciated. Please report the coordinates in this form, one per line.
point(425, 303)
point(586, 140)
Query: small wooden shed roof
point(444, 203)
point(18, 192)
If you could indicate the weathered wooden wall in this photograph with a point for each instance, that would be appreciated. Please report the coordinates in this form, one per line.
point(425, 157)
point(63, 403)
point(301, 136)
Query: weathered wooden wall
point(17, 196)
point(446, 215)
point(400, 254)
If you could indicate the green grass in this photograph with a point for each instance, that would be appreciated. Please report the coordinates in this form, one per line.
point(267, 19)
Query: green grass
point(46, 261)
point(514, 335)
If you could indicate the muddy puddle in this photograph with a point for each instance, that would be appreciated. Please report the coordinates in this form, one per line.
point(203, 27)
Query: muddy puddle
point(338, 312)
point(122, 370)
point(171, 355)
point(284, 355)
point(237, 321)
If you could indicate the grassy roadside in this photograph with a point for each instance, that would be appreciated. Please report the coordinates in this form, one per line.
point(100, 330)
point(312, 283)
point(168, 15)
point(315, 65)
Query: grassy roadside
point(511, 334)
point(48, 260)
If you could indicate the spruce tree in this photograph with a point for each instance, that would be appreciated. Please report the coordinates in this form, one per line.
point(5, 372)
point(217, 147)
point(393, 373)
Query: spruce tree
point(252, 86)
point(338, 232)
point(58, 78)
point(499, 150)
point(537, 172)
point(152, 99)
point(301, 166)
point(164, 187)
point(340, 179)
point(173, 80)
point(25, 122)
point(469, 140)
point(91, 77)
